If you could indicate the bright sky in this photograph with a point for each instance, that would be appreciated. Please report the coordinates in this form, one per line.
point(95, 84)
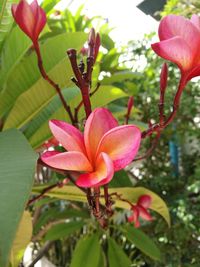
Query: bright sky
point(129, 22)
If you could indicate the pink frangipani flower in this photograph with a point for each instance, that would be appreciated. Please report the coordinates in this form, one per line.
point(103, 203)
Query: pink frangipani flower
point(103, 149)
point(140, 210)
point(31, 18)
point(179, 43)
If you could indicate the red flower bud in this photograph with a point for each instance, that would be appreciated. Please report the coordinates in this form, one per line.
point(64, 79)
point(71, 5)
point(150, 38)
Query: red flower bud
point(163, 77)
point(31, 18)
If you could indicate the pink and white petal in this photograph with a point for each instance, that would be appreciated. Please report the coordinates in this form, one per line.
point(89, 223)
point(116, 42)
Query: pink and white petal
point(172, 26)
point(24, 17)
point(102, 175)
point(70, 137)
point(195, 19)
point(145, 201)
point(144, 214)
point(175, 50)
point(121, 144)
point(72, 161)
point(98, 123)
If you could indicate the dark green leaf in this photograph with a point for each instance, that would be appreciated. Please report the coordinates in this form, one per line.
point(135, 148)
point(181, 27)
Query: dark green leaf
point(116, 255)
point(120, 179)
point(87, 252)
point(142, 242)
point(63, 230)
point(17, 167)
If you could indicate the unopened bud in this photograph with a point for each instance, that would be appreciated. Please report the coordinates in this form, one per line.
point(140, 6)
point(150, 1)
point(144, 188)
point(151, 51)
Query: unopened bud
point(91, 39)
point(97, 45)
point(163, 77)
point(130, 105)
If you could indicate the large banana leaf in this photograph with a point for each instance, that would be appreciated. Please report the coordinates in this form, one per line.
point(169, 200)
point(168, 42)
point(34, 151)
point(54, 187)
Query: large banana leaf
point(6, 19)
point(26, 76)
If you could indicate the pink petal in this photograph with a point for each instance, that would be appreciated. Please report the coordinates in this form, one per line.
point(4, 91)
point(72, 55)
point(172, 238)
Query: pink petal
point(13, 9)
point(40, 22)
point(172, 26)
point(70, 137)
point(175, 50)
point(72, 161)
point(135, 216)
point(99, 122)
point(196, 21)
point(145, 201)
point(24, 17)
point(121, 144)
point(102, 175)
point(144, 214)
point(194, 72)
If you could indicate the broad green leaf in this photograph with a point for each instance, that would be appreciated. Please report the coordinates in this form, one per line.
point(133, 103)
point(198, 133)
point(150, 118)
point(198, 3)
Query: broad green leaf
point(87, 252)
point(26, 77)
point(103, 96)
point(116, 255)
point(17, 167)
point(54, 213)
point(131, 194)
point(142, 241)
point(14, 49)
point(6, 19)
point(120, 179)
point(22, 239)
point(62, 230)
point(119, 77)
point(16, 45)
point(48, 5)
point(46, 113)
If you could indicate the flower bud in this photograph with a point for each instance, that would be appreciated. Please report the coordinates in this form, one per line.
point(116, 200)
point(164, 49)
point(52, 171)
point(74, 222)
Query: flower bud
point(31, 18)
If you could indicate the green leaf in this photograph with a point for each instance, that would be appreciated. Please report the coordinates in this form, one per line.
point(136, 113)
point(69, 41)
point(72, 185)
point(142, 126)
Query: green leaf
point(26, 79)
point(119, 77)
point(63, 230)
point(48, 5)
point(14, 49)
point(103, 96)
point(142, 242)
point(54, 213)
point(17, 167)
point(22, 239)
point(116, 255)
point(131, 194)
point(6, 19)
point(120, 179)
point(87, 252)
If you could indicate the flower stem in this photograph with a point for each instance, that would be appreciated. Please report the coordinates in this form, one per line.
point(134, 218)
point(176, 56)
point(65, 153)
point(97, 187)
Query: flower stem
point(51, 82)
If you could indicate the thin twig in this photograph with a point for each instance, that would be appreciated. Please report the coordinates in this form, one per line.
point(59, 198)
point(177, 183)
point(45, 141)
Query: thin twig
point(41, 253)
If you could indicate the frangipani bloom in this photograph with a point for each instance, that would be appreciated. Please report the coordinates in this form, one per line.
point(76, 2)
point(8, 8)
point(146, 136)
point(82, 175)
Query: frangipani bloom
point(140, 210)
point(180, 43)
point(103, 149)
point(31, 18)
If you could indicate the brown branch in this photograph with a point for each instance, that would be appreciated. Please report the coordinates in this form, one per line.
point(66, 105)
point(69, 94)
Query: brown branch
point(151, 149)
point(41, 253)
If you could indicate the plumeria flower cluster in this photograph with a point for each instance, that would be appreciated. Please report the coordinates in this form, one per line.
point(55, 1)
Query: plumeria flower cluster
point(105, 147)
